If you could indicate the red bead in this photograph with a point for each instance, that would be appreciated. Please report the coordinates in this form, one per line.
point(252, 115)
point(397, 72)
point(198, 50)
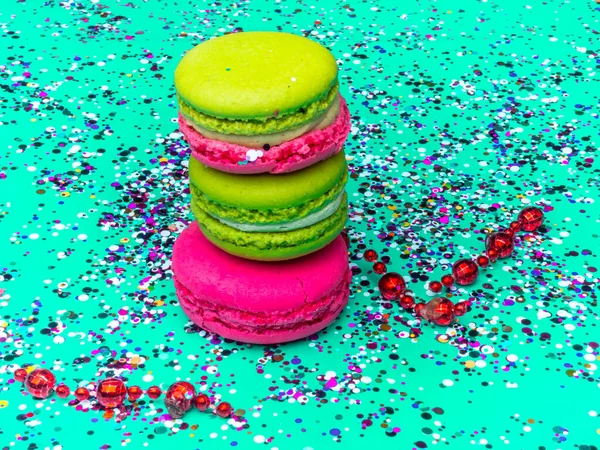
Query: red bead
point(461, 308)
point(502, 242)
point(370, 255)
point(63, 391)
point(82, 394)
point(179, 397)
point(223, 409)
point(531, 218)
point(379, 268)
point(391, 286)
point(435, 286)
point(464, 272)
point(111, 392)
point(418, 308)
point(448, 281)
point(40, 383)
point(202, 402)
point(20, 375)
point(154, 392)
point(439, 311)
point(134, 393)
point(516, 226)
point(483, 261)
point(407, 302)
point(492, 254)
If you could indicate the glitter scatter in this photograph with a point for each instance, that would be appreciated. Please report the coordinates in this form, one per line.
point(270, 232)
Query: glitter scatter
point(463, 114)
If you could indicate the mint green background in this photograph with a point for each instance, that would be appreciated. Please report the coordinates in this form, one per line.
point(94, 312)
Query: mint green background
point(540, 55)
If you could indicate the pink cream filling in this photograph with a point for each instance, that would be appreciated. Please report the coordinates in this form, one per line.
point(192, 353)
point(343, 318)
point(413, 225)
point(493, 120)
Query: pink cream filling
point(296, 154)
point(213, 317)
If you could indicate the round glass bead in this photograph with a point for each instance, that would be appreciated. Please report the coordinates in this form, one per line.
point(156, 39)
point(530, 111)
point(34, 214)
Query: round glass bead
point(531, 218)
point(391, 286)
point(465, 272)
point(111, 392)
point(40, 383)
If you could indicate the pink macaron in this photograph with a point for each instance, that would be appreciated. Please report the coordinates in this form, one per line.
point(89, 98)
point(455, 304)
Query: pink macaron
point(296, 154)
point(259, 302)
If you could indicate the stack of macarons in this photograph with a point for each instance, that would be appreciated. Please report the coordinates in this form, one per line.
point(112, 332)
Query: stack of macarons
point(264, 261)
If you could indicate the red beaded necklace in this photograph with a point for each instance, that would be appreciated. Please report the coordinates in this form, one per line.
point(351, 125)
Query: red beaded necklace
point(181, 395)
point(111, 393)
point(442, 311)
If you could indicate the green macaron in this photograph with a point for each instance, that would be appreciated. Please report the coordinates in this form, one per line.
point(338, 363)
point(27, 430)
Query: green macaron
point(256, 83)
point(270, 218)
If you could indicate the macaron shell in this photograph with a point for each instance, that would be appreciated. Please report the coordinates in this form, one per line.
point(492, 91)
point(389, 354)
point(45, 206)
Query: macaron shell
point(255, 74)
point(277, 123)
point(232, 282)
point(266, 191)
point(289, 156)
point(245, 244)
point(274, 216)
point(265, 329)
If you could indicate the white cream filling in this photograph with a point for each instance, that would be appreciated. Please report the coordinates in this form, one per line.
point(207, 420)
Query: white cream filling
point(307, 221)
